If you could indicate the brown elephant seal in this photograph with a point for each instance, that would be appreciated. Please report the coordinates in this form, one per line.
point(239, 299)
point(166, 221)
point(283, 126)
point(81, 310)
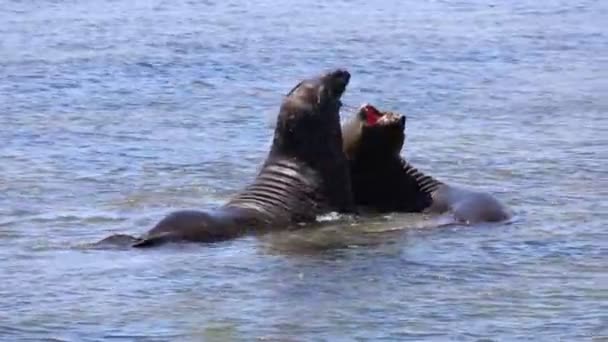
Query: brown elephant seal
point(305, 174)
point(384, 181)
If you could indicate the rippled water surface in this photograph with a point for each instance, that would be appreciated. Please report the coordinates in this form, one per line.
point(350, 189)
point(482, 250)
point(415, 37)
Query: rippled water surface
point(113, 113)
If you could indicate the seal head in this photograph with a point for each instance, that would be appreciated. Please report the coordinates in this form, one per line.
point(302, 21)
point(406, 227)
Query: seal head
point(372, 143)
point(310, 110)
point(374, 134)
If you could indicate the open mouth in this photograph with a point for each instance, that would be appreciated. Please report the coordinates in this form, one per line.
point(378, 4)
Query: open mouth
point(372, 116)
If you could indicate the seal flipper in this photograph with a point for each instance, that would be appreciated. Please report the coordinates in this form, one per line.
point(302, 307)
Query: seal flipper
point(118, 240)
point(152, 240)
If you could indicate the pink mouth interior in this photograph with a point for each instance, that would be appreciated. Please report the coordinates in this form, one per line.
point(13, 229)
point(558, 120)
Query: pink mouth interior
point(372, 115)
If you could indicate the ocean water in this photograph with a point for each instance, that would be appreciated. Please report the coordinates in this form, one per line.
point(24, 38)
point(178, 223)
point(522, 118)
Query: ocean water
point(113, 113)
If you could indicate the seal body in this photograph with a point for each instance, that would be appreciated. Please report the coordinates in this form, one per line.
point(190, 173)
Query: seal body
point(467, 206)
point(304, 175)
point(384, 181)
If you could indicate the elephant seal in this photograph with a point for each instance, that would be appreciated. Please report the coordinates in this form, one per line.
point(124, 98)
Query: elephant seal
point(304, 175)
point(384, 181)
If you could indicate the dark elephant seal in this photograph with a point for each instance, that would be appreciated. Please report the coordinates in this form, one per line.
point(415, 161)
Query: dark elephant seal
point(305, 174)
point(384, 181)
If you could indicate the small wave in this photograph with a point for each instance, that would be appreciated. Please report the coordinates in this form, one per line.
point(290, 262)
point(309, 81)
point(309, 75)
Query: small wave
point(330, 217)
point(85, 219)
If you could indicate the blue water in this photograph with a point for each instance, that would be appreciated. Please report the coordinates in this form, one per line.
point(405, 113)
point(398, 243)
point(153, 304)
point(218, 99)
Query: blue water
point(113, 113)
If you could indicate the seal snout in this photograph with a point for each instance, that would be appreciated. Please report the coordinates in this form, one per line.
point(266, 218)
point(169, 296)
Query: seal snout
point(340, 75)
point(337, 80)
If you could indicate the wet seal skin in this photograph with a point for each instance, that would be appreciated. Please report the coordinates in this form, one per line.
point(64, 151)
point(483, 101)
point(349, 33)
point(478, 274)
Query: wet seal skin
point(384, 181)
point(304, 175)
